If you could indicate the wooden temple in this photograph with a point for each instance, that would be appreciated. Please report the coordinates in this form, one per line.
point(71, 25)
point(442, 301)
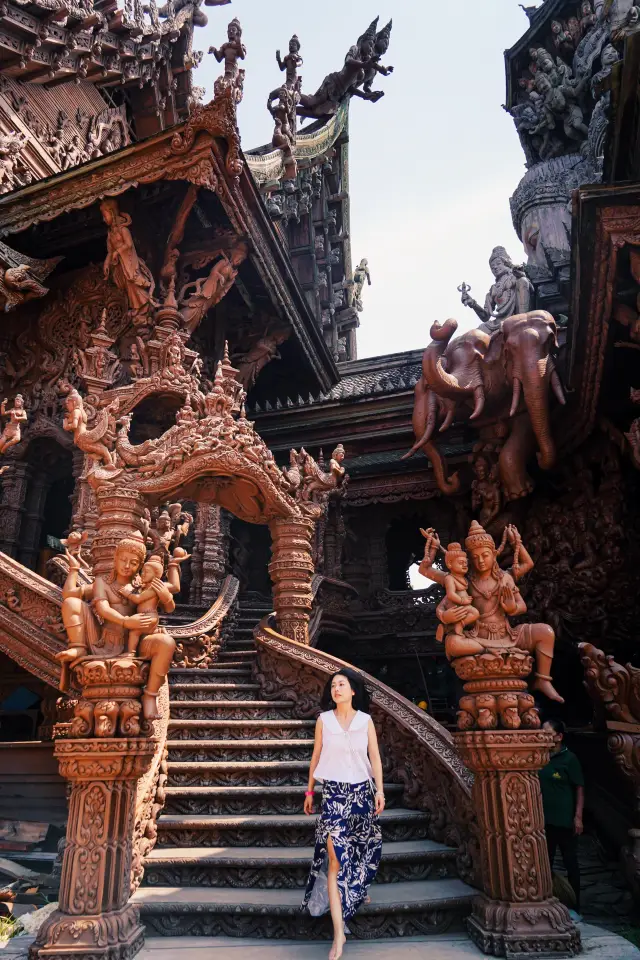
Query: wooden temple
point(183, 389)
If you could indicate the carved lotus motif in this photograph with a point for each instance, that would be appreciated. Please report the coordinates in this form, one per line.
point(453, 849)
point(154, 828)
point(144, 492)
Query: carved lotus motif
point(494, 664)
point(91, 672)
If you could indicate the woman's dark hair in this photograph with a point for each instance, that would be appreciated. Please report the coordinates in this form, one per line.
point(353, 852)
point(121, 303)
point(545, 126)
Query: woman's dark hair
point(360, 694)
point(558, 726)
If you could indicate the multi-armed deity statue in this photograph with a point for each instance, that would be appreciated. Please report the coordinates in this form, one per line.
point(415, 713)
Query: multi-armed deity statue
point(500, 740)
point(479, 639)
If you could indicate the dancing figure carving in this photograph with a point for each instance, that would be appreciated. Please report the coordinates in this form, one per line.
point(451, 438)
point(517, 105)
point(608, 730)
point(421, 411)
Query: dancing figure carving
point(494, 596)
point(207, 291)
point(508, 376)
point(231, 51)
point(123, 265)
point(94, 441)
point(17, 415)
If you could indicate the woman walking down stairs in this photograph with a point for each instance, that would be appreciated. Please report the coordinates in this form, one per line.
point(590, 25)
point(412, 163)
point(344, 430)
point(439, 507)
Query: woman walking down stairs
point(234, 846)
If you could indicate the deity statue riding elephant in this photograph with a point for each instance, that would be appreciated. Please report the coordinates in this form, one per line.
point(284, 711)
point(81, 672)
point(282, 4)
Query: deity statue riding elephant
point(505, 377)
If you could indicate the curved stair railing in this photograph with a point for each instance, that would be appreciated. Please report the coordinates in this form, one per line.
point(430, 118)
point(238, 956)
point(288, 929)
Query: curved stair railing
point(198, 643)
point(331, 608)
point(416, 750)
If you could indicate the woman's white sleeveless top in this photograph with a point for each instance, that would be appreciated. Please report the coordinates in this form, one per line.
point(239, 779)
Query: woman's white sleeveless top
point(344, 755)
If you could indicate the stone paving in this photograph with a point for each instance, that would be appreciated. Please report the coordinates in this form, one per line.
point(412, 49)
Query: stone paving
point(605, 897)
point(598, 944)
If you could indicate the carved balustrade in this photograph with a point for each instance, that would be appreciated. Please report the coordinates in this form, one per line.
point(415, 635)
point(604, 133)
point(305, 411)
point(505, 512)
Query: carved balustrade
point(331, 612)
point(416, 750)
point(199, 643)
point(615, 689)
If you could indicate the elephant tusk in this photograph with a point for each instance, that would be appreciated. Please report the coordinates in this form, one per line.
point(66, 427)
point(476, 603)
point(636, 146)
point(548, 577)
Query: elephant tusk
point(517, 387)
point(448, 420)
point(429, 428)
point(556, 386)
point(479, 407)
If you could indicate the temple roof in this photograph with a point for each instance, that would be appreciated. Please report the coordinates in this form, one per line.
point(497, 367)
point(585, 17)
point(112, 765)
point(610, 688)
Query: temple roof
point(387, 374)
point(267, 164)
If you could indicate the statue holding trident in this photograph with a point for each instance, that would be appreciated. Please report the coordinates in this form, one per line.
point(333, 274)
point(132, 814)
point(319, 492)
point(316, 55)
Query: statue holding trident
point(495, 596)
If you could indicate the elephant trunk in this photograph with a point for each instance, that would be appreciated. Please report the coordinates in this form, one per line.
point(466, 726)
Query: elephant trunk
point(423, 434)
point(535, 384)
point(447, 485)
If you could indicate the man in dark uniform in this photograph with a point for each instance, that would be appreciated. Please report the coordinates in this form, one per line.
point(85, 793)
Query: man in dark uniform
point(562, 786)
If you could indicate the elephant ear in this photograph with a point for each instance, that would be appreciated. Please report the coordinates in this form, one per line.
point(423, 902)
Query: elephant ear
point(495, 348)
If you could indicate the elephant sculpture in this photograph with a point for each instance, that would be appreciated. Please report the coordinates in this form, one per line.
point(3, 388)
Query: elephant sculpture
point(505, 378)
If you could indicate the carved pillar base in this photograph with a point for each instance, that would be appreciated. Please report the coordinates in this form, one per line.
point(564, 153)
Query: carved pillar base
point(517, 916)
point(291, 570)
point(522, 930)
point(94, 919)
point(114, 936)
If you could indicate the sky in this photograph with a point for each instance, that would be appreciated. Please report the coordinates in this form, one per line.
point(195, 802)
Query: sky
point(432, 164)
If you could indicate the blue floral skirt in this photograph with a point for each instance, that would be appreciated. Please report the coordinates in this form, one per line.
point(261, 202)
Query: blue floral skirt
point(348, 817)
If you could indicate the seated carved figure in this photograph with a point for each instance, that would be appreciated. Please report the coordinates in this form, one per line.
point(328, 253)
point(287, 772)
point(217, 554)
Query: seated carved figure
point(99, 616)
point(496, 597)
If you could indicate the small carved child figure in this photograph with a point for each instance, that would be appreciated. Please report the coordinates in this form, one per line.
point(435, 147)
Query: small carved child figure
point(455, 585)
point(148, 598)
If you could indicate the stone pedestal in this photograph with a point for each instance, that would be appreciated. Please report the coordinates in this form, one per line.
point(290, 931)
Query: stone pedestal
point(291, 570)
point(516, 916)
point(495, 690)
point(102, 757)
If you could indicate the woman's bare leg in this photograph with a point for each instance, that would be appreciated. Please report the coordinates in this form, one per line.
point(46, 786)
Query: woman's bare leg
point(335, 904)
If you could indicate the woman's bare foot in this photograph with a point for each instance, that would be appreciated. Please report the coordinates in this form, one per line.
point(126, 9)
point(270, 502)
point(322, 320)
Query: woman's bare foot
point(337, 947)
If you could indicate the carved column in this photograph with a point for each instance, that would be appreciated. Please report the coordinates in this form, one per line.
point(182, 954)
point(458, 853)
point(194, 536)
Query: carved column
point(120, 513)
point(291, 570)
point(214, 553)
point(85, 509)
point(517, 914)
point(14, 491)
point(210, 553)
point(94, 919)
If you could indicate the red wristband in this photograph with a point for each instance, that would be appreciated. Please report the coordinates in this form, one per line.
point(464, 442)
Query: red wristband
point(308, 793)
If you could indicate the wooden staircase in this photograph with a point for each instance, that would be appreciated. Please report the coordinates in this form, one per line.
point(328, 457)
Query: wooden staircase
point(234, 849)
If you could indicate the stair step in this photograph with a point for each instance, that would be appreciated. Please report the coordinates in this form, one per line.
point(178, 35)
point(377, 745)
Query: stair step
point(418, 907)
point(241, 801)
point(285, 867)
point(199, 692)
point(248, 751)
point(270, 773)
point(189, 675)
point(231, 710)
point(266, 830)
point(286, 729)
point(235, 659)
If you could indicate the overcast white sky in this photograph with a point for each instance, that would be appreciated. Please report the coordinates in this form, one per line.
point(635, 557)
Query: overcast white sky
point(432, 164)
